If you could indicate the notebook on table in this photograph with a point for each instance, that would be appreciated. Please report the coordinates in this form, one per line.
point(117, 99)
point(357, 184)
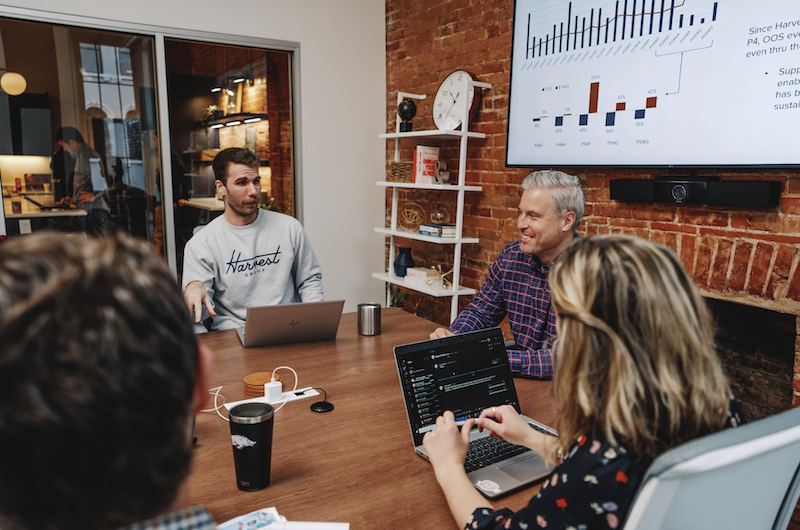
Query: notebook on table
point(465, 374)
point(288, 323)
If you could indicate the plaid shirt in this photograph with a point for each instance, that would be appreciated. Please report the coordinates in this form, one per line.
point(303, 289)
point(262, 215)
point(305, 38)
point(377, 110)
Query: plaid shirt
point(194, 518)
point(517, 287)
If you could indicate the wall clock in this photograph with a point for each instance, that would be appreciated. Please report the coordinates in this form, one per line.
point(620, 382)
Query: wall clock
point(448, 104)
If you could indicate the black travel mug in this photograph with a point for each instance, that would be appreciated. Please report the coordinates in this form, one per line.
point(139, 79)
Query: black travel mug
point(251, 437)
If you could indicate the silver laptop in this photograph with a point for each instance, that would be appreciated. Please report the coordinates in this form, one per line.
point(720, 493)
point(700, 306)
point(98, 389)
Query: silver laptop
point(465, 374)
point(288, 323)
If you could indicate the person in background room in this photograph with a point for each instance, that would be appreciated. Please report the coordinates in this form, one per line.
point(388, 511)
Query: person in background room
point(636, 375)
point(247, 256)
point(550, 211)
point(100, 378)
point(89, 181)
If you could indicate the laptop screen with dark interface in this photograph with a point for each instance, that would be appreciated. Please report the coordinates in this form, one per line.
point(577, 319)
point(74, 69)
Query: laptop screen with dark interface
point(464, 374)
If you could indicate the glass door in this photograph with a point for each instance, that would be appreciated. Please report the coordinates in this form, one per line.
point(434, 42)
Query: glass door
point(222, 96)
point(79, 148)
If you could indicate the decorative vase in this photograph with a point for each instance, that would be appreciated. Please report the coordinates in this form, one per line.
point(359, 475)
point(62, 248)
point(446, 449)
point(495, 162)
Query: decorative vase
point(403, 261)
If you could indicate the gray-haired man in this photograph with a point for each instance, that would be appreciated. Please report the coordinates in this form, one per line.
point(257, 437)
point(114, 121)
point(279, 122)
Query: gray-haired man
point(550, 210)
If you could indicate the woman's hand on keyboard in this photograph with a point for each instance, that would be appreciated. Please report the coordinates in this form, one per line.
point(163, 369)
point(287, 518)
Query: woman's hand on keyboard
point(445, 444)
point(505, 423)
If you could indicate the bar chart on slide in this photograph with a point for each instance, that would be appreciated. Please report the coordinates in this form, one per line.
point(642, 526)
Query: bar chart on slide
point(628, 19)
point(637, 81)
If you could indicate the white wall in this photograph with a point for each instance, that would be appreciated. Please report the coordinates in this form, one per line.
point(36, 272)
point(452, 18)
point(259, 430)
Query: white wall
point(342, 95)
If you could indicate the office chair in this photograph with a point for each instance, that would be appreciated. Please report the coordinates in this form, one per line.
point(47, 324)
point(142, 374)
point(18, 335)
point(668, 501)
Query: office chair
point(744, 478)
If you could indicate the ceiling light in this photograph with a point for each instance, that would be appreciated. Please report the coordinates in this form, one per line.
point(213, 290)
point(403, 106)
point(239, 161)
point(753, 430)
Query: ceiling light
point(13, 83)
point(252, 120)
point(216, 126)
point(232, 123)
point(238, 80)
point(216, 89)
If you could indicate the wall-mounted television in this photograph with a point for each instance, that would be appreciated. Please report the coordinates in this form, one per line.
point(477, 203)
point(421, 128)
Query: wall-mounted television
point(645, 83)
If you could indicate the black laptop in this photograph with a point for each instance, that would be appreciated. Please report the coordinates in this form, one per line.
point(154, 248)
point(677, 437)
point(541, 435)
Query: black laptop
point(465, 374)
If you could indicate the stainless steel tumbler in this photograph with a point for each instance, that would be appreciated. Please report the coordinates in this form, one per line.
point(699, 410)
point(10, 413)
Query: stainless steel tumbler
point(251, 437)
point(369, 319)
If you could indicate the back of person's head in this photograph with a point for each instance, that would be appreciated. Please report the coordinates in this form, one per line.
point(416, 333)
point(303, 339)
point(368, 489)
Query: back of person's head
point(65, 134)
point(635, 357)
point(232, 155)
point(97, 372)
point(565, 192)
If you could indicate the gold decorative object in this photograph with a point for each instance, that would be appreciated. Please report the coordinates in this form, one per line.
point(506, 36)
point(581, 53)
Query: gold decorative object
point(410, 216)
point(446, 284)
point(401, 172)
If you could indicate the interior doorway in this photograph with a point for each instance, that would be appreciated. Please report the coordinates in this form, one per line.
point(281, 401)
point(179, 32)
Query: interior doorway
point(222, 96)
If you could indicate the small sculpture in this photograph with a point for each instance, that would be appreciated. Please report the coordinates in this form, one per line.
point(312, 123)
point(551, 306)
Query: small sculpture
point(446, 284)
point(406, 110)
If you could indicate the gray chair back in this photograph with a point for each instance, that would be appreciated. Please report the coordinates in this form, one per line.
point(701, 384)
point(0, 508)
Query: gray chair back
point(744, 478)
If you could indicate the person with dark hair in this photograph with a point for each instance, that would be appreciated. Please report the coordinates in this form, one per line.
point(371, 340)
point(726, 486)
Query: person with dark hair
point(89, 182)
point(247, 256)
point(63, 165)
point(100, 378)
point(550, 211)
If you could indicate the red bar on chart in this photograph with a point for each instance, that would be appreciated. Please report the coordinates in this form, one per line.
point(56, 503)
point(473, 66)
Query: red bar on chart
point(651, 103)
point(594, 92)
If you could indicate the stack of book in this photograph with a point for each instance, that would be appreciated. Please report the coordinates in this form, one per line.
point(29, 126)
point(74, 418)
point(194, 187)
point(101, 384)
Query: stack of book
point(438, 230)
point(420, 277)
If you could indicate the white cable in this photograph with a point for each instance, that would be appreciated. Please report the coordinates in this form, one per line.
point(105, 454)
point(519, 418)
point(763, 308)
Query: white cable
point(216, 393)
point(288, 368)
point(285, 401)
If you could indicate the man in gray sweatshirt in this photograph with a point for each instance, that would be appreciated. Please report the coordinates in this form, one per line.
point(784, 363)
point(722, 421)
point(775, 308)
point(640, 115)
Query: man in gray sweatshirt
point(247, 256)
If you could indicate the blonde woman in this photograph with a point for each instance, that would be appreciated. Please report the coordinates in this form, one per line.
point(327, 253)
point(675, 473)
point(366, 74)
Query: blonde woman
point(636, 374)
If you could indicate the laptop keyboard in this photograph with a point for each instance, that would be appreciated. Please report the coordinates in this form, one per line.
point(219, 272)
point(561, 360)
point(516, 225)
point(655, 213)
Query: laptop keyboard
point(487, 451)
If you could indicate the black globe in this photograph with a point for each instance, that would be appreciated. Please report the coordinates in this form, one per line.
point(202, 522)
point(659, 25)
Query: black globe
point(406, 109)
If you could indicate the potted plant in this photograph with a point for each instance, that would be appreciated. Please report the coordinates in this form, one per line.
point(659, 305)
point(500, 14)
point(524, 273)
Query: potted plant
point(397, 297)
point(212, 112)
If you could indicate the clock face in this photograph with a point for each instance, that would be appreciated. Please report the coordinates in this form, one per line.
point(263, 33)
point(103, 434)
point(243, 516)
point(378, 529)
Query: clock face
point(448, 105)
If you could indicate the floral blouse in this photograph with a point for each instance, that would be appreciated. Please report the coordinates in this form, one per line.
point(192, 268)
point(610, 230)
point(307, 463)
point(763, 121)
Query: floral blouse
point(592, 488)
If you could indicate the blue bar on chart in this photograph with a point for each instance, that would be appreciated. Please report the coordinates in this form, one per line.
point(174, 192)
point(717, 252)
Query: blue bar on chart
point(559, 121)
point(537, 120)
point(714, 15)
point(671, 14)
point(583, 119)
point(641, 22)
point(624, 17)
point(610, 118)
point(638, 114)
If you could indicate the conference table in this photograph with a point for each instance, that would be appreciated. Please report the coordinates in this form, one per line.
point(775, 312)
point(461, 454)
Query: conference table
point(355, 464)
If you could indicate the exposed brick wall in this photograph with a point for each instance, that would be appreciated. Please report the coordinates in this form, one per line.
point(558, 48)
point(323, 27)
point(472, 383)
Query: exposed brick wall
point(746, 255)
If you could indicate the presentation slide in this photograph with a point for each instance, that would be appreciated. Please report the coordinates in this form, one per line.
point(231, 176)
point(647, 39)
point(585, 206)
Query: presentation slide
point(655, 83)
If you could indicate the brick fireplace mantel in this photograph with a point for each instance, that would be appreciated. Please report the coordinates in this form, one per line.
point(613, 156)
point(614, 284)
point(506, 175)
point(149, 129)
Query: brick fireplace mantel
point(747, 256)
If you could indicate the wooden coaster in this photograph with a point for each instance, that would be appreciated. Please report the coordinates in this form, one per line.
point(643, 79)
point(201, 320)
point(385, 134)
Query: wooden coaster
point(254, 383)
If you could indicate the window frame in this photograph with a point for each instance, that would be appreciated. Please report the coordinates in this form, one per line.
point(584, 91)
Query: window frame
point(159, 34)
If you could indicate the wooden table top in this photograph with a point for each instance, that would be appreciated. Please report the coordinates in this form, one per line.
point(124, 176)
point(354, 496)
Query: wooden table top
point(355, 464)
